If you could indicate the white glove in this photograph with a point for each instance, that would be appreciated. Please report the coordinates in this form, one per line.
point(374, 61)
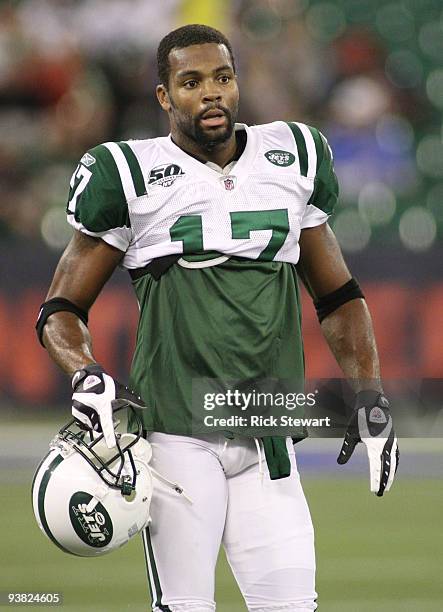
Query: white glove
point(371, 424)
point(96, 396)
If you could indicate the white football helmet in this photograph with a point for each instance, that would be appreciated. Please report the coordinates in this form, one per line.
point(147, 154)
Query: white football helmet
point(89, 499)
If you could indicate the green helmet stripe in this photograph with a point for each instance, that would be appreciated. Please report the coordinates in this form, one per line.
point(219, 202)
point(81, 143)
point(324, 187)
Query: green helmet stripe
point(41, 500)
point(134, 167)
point(35, 474)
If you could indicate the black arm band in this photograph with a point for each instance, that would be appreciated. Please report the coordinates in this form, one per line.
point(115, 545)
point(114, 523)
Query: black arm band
point(57, 305)
point(330, 302)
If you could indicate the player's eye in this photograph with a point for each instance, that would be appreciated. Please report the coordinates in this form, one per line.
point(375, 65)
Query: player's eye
point(191, 84)
point(224, 78)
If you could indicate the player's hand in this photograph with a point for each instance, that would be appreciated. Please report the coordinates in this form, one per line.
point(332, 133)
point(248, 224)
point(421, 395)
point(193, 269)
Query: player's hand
point(95, 397)
point(371, 424)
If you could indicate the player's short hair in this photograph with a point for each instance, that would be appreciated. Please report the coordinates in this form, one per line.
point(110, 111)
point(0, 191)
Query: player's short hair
point(193, 34)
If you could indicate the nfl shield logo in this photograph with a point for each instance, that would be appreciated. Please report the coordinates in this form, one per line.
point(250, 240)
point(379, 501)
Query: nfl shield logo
point(229, 183)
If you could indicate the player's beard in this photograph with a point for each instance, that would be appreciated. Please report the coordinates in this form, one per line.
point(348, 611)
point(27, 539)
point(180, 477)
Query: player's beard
point(191, 127)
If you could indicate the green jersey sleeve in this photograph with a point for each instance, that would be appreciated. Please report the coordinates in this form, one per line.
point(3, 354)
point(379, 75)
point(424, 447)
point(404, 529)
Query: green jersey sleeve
point(97, 203)
point(325, 194)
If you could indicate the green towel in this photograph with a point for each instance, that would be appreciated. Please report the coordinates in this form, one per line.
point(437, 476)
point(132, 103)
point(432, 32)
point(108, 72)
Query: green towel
point(277, 457)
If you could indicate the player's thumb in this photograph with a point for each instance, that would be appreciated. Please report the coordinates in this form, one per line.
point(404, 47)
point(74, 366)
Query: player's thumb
point(348, 446)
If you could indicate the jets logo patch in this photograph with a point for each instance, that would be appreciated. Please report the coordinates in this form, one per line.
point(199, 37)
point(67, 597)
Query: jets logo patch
point(88, 159)
point(377, 416)
point(165, 175)
point(91, 521)
point(280, 158)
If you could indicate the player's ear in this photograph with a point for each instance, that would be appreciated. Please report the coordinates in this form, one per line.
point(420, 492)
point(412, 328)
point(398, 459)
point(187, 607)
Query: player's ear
point(163, 97)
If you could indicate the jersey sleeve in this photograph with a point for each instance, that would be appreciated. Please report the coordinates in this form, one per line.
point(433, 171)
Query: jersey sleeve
point(325, 194)
point(97, 204)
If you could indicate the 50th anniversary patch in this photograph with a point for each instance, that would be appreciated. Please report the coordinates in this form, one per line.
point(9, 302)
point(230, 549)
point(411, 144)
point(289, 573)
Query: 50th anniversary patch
point(165, 175)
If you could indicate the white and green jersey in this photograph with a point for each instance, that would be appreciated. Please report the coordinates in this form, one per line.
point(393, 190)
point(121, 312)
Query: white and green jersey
point(229, 308)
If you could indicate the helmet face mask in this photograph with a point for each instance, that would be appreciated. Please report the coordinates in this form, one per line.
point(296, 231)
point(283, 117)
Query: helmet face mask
point(108, 463)
point(89, 499)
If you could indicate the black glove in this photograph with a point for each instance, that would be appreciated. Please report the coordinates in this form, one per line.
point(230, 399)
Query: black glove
point(371, 424)
point(96, 396)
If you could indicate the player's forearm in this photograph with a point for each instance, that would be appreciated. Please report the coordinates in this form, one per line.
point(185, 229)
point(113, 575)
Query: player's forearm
point(350, 335)
point(68, 341)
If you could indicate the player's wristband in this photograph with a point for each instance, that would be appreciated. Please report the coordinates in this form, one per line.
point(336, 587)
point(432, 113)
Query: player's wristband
point(80, 375)
point(370, 397)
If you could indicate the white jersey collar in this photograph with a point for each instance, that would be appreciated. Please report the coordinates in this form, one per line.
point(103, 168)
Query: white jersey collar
point(213, 173)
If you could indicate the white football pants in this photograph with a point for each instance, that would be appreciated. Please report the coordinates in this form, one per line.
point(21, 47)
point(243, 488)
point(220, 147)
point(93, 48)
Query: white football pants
point(265, 527)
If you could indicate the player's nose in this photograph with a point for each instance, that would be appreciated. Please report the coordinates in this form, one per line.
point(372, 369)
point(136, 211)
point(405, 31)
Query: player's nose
point(212, 97)
point(211, 92)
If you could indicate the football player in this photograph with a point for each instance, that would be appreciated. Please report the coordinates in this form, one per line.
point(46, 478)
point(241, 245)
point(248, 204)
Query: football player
point(211, 222)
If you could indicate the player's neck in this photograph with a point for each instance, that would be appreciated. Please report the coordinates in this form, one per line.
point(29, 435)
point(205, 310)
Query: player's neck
point(220, 154)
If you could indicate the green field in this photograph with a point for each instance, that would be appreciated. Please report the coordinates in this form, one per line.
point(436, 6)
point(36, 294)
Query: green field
point(373, 555)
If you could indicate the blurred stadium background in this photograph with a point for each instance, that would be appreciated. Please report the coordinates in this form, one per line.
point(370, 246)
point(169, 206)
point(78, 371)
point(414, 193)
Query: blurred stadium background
point(369, 73)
